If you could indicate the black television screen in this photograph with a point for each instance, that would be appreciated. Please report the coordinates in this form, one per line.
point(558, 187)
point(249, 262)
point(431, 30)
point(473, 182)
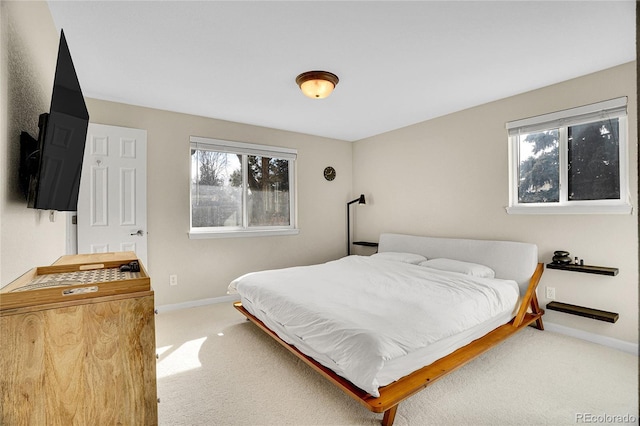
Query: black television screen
point(50, 167)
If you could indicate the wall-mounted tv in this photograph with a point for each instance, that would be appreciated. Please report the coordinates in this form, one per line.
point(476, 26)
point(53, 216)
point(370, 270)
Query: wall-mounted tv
point(50, 166)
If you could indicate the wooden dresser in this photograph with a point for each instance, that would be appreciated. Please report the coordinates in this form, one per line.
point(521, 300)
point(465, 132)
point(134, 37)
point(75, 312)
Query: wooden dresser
point(86, 357)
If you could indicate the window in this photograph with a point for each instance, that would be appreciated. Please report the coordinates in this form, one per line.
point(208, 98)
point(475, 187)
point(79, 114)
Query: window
point(571, 161)
point(240, 189)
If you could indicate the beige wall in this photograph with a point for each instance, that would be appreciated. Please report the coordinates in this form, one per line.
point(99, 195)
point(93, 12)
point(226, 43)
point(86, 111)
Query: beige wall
point(205, 267)
point(449, 177)
point(28, 56)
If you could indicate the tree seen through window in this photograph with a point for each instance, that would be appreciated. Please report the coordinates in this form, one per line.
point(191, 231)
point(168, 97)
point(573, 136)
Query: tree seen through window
point(221, 189)
point(593, 169)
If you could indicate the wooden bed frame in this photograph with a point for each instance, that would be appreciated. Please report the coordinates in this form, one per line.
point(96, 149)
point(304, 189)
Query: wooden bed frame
point(394, 393)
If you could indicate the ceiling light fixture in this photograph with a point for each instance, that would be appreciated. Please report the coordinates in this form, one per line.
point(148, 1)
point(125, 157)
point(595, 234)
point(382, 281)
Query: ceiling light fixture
point(317, 84)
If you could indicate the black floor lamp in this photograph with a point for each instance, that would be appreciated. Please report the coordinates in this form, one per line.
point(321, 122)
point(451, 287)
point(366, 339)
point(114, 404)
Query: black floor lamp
point(359, 200)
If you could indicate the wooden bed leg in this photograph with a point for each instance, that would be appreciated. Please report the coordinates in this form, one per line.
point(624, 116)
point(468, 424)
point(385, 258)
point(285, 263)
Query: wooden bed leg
point(530, 300)
point(389, 416)
point(535, 308)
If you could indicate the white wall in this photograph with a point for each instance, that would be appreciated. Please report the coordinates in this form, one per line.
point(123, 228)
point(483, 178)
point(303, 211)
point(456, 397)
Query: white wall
point(449, 177)
point(28, 56)
point(206, 266)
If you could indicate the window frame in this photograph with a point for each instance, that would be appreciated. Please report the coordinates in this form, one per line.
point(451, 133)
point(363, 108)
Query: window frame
point(245, 149)
point(562, 120)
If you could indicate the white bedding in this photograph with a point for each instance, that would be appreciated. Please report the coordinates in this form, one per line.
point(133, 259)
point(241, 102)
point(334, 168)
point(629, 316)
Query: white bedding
point(373, 320)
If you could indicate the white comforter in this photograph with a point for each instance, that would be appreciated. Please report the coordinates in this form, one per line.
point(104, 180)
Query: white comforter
point(356, 313)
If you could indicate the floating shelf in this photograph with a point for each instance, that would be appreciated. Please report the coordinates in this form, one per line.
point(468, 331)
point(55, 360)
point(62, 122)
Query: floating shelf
point(365, 243)
point(600, 270)
point(583, 312)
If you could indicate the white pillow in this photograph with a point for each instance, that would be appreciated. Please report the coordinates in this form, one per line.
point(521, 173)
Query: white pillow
point(400, 257)
point(451, 265)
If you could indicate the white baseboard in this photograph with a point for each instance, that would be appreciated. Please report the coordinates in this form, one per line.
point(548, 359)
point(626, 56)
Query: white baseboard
point(201, 302)
point(592, 337)
point(557, 328)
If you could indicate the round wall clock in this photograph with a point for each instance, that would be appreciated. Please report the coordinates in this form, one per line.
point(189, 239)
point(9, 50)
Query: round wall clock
point(329, 173)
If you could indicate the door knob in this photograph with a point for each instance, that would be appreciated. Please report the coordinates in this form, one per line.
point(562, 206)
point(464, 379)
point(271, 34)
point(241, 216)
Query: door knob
point(140, 233)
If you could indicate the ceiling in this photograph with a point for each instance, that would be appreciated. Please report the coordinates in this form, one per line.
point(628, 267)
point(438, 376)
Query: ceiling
point(399, 63)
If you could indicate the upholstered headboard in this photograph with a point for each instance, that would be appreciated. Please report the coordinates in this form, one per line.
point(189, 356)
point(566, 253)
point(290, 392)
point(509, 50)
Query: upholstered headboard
point(509, 259)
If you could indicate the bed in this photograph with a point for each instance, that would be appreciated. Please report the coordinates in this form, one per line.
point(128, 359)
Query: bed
point(385, 326)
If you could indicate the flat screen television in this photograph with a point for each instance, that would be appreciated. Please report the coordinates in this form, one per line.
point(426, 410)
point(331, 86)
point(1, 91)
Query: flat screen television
point(50, 166)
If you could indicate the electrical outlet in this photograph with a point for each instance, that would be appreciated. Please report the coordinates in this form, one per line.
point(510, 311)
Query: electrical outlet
point(551, 293)
point(173, 279)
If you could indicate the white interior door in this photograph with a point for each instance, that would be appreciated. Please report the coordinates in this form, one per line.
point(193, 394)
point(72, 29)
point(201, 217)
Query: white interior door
point(112, 203)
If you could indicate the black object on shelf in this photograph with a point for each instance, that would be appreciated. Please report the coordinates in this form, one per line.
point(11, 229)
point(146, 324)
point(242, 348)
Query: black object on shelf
point(600, 270)
point(365, 243)
point(583, 312)
point(359, 200)
point(561, 256)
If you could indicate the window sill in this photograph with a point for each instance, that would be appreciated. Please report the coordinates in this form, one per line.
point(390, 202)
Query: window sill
point(197, 235)
point(621, 208)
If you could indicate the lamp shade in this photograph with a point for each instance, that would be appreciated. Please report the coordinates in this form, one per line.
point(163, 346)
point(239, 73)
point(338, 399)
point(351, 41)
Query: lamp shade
point(317, 84)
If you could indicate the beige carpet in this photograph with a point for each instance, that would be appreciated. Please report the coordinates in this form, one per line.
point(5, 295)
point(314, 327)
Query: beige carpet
point(216, 368)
